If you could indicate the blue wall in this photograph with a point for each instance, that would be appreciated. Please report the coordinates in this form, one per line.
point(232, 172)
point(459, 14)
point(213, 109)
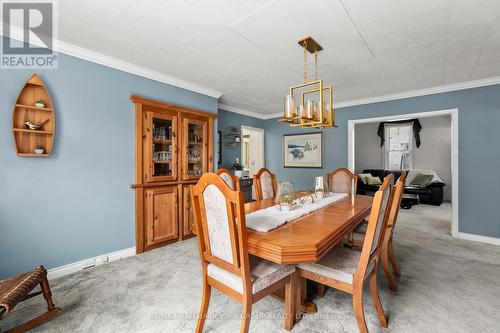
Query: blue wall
point(75, 204)
point(230, 119)
point(479, 149)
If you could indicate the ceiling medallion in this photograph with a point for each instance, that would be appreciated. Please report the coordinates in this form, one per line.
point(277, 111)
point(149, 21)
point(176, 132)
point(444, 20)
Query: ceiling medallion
point(310, 104)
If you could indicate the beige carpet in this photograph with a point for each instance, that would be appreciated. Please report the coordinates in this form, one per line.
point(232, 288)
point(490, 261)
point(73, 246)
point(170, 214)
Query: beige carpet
point(447, 286)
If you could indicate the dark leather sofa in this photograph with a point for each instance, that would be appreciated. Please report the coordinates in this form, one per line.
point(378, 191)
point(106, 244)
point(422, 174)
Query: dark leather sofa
point(431, 194)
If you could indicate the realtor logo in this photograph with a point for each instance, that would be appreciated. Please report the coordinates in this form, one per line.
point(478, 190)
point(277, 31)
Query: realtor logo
point(28, 30)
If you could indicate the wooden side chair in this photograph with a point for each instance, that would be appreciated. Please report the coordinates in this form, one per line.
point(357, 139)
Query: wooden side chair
point(387, 253)
point(340, 181)
point(220, 218)
point(17, 289)
point(231, 180)
point(265, 184)
point(347, 269)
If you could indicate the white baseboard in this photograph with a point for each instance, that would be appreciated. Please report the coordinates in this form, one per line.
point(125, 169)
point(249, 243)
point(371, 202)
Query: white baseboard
point(479, 238)
point(90, 262)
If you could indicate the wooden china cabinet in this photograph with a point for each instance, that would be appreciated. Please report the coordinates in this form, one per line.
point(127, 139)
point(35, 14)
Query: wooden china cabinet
point(174, 147)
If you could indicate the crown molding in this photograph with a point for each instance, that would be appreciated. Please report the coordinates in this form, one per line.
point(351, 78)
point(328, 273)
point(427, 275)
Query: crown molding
point(422, 92)
point(411, 93)
point(115, 63)
point(233, 109)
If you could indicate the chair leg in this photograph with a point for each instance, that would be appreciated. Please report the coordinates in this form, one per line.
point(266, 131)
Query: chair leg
point(376, 300)
point(246, 315)
point(390, 249)
point(357, 302)
point(387, 270)
point(205, 301)
point(47, 294)
point(291, 301)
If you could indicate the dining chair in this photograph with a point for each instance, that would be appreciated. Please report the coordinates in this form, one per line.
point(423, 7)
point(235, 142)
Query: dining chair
point(265, 184)
point(341, 181)
point(222, 240)
point(231, 180)
point(348, 270)
point(387, 254)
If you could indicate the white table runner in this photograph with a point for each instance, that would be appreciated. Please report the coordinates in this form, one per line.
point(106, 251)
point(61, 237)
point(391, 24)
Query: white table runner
point(269, 218)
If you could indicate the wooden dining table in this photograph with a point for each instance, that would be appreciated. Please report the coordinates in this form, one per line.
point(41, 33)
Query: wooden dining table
point(309, 238)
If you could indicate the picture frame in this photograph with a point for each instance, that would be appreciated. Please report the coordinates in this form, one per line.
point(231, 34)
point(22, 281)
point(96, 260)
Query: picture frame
point(303, 150)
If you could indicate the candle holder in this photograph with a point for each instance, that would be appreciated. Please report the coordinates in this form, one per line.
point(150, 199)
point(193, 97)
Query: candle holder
point(285, 196)
point(320, 187)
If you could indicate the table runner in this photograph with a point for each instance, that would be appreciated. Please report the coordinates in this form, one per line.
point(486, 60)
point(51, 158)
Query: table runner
point(270, 218)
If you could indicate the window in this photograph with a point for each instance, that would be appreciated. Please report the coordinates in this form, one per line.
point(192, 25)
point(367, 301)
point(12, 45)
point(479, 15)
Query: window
point(398, 146)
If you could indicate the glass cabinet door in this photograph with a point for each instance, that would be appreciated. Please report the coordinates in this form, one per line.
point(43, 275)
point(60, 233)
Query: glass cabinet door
point(195, 143)
point(161, 147)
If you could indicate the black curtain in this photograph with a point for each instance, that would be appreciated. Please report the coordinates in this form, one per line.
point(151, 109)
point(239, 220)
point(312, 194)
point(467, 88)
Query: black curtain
point(416, 130)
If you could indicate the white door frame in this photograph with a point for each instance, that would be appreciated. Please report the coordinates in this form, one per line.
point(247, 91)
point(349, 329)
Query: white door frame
point(262, 149)
point(454, 151)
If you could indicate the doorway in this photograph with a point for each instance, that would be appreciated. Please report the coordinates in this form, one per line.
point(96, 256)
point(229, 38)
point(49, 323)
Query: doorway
point(355, 129)
point(252, 150)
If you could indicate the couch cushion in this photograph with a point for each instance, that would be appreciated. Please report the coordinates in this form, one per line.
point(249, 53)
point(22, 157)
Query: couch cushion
point(414, 172)
point(362, 177)
point(263, 273)
point(421, 180)
point(376, 172)
point(373, 180)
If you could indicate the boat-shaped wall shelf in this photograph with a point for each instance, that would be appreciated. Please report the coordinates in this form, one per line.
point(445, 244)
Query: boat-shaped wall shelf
point(34, 122)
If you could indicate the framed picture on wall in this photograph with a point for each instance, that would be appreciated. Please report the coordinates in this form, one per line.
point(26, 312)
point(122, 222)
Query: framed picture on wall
point(303, 150)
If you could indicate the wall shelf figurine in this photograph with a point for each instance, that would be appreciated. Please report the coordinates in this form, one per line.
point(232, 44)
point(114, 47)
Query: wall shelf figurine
point(33, 123)
point(40, 103)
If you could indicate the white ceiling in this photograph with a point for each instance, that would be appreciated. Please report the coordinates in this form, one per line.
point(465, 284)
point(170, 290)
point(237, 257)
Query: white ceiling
point(248, 48)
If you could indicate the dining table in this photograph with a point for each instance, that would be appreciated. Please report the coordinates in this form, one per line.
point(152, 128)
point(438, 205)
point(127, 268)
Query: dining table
point(308, 238)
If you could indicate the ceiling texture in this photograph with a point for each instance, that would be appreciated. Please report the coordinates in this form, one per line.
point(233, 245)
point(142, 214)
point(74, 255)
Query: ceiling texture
point(248, 50)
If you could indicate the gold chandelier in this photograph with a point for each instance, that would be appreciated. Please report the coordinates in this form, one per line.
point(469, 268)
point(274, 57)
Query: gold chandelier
point(310, 104)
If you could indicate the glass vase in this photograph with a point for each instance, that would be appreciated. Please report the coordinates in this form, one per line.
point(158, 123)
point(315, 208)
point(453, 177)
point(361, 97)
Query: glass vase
point(320, 187)
point(285, 196)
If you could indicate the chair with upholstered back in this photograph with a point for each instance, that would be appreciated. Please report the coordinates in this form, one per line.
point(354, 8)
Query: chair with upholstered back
point(387, 253)
point(265, 184)
point(347, 269)
point(231, 180)
point(220, 219)
point(341, 181)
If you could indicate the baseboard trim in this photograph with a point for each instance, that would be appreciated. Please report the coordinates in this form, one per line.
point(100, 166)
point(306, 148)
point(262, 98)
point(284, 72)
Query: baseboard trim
point(90, 262)
point(479, 238)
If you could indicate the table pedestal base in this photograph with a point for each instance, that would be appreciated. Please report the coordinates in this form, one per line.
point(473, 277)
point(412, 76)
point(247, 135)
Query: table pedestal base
point(306, 305)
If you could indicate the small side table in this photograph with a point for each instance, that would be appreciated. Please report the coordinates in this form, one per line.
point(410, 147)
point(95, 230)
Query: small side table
point(409, 200)
point(246, 187)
